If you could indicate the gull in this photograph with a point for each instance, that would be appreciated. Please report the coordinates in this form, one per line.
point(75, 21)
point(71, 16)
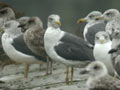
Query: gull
point(6, 14)
point(108, 17)
point(14, 46)
point(102, 46)
point(66, 48)
point(24, 20)
point(115, 50)
point(92, 27)
point(34, 37)
point(99, 79)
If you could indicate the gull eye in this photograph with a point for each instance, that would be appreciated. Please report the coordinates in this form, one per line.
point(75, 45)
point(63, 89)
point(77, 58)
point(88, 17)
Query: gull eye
point(7, 25)
point(30, 21)
point(91, 16)
point(113, 29)
point(108, 14)
point(51, 19)
point(105, 37)
point(97, 37)
point(96, 67)
point(3, 12)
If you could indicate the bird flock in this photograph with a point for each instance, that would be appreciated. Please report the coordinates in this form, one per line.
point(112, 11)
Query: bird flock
point(25, 40)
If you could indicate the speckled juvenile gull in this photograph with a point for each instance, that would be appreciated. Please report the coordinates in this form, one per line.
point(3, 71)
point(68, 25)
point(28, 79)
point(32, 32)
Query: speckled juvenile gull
point(101, 49)
point(109, 16)
point(15, 47)
point(92, 27)
point(66, 48)
point(115, 51)
point(34, 37)
point(99, 79)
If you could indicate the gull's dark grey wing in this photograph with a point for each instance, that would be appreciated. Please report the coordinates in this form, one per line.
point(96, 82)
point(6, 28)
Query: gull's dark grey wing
point(74, 48)
point(19, 44)
point(90, 35)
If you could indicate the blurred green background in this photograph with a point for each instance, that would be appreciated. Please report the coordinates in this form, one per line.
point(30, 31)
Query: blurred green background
point(69, 10)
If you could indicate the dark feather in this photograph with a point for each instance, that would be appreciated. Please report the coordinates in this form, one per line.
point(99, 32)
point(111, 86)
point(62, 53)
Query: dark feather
point(20, 46)
point(74, 48)
point(112, 51)
point(90, 36)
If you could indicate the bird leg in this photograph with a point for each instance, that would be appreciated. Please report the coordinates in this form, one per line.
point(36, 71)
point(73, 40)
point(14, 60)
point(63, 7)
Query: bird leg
point(49, 62)
point(26, 70)
point(51, 67)
point(67, 75)
point(47, 69)
point(72, 72)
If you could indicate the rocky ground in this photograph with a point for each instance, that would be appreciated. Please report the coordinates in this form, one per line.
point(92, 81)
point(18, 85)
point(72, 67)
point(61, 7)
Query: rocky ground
point(13, 76)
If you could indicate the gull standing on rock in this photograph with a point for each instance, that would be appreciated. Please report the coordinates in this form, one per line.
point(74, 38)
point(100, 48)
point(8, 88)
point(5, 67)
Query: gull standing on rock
point(66, 48)
point(92, 27)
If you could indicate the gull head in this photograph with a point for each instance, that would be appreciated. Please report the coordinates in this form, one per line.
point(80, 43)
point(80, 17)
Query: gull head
point(54, 21)
point(92, 16)
point(31, 22)
point(7, 13)
point(12, 27)
point(102, 37)
point(95, 69)
point(110, 14)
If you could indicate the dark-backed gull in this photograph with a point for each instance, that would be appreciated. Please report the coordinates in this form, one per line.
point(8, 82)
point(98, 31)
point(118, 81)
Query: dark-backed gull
point(92, 27)
point(66, 48)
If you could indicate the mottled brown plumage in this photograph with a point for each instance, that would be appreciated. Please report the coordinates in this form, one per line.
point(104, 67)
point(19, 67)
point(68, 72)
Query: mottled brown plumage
point(105, 83)
point(34, 40)
point(17, 14)
point(99, 79)
point(34, 36)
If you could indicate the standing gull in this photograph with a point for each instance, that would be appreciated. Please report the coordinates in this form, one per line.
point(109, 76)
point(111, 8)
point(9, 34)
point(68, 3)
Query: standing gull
point(108, 17)
point(115, 51)
point(66, 48)
point(34, 37)
point(15, 47)
point(101, 48)
point(6, 14)
point(92, 27)
point(99, 78)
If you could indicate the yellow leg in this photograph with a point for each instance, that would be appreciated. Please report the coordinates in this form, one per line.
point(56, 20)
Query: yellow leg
point(72, 74)
point(26, 70)
point(67, 75)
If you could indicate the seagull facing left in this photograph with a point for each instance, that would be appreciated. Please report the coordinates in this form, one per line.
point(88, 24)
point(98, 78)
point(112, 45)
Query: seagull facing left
point(65, 48)
point(93, 26)
point(15, 47)
point(99, 79)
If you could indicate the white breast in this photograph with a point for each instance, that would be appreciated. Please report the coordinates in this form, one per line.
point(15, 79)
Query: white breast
point(101, 53)
point(14, 54)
